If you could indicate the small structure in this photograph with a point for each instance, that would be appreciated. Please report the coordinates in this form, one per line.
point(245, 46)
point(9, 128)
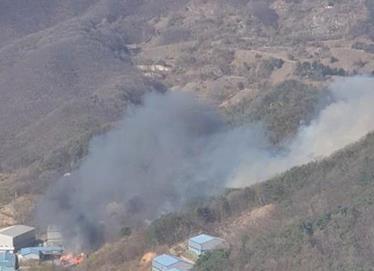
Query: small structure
point(40, 253)
point(170, 263)
point(204, 243)
point(16, 237)
point(54, 237)
point(8, 261)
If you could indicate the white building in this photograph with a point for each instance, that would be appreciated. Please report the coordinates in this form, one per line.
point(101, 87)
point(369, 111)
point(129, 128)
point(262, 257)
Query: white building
point(16, 237)
point(204, 243)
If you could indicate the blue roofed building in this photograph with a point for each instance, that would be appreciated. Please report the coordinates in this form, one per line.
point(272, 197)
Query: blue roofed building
point(39, 253)
point(170, 263)
point(8, 261)
point(203, 243)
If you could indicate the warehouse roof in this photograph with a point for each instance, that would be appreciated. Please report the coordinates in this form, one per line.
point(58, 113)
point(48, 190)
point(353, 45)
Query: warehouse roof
point(166, 260)
point(16, 230)
point(202, 238)
point(207, 242)
point(173, 263)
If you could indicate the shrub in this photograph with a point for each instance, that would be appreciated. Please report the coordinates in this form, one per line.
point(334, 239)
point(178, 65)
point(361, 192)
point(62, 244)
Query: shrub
point(317, 71)
point(265, 14)
point(368, 48)
point(217, 260)
point(281, 109)
point(126, 231)
point(267, 66)
point(169, 229)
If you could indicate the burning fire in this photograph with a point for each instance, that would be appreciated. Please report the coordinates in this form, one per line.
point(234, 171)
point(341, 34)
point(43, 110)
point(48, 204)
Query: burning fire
point(72, 260)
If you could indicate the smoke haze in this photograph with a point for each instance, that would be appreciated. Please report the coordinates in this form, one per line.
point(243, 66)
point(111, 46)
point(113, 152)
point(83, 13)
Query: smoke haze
point(348, 118)
point(174, 148)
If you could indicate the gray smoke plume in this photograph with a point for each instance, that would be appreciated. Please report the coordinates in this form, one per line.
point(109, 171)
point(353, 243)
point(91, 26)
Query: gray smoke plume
point(162, 153)
point(174, 148)
point(347, 119)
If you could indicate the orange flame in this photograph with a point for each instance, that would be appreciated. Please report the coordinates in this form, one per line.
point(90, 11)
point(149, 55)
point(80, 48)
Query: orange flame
point(72, 260)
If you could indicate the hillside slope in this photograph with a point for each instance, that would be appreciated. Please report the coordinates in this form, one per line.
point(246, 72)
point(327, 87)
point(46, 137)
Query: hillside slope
point(69, 71)
point(317, 216)
point(60, 85)
point(323, 218)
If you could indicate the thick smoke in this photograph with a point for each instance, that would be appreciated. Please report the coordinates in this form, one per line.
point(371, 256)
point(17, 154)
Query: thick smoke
point(348, 118)
point(170, 149)
point(174, 148)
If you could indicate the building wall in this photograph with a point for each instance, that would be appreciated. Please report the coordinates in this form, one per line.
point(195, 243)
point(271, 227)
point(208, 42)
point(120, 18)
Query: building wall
point(14, 243)
point(54, 238)
point(207, 246)
point(195, 247)
point(194, 250)
point(6, 242)
point(24, 240)
point(8, 261)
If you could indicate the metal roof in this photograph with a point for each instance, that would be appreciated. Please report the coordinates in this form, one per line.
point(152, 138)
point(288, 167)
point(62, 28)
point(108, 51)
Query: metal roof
point(166, 260)
point(16, 230)
point(213, 244)
point(37, 250)
point(202, 238)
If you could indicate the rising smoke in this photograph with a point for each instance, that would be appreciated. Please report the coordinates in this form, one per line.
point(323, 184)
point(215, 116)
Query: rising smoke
point(348, 118)
point(174, 148)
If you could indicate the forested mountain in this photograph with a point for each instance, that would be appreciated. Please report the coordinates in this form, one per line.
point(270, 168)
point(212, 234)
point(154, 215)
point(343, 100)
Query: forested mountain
point(71, 70)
